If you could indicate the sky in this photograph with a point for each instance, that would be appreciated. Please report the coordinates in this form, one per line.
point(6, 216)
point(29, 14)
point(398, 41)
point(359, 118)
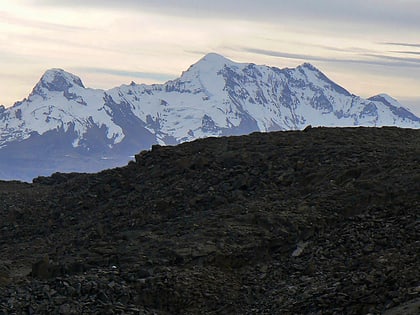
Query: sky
point(367, 46)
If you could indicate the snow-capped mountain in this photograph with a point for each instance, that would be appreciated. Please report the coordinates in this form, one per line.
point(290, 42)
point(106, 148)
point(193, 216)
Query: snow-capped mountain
point(64, 126)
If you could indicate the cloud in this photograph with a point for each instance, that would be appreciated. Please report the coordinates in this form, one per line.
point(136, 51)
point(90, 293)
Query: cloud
point(411, 61)
point(8, 18)
point(406, 52)
point(345, 50)
point(280, 54)
point(358, 40)
point(378, 60)
point(161, 77)
point(371, 12)
point(402, 44)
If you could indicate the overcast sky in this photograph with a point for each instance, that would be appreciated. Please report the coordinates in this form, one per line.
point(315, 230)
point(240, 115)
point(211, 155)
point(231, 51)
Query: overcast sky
point(367, 46)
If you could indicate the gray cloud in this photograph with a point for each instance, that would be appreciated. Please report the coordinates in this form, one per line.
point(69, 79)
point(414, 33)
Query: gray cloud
point(11, 19)
point(345, 50)
point(162, 77)
point(378, 60)
point(387, 12)
point(280, 54)
point(398, 59)
point(369, 23)
point(406, 52)
point(402, 44)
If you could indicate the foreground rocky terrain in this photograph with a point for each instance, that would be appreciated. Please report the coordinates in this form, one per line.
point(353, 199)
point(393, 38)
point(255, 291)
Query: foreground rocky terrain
point(320, 221)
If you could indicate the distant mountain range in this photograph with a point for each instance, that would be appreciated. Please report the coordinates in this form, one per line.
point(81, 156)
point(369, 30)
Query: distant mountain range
point(64, 126)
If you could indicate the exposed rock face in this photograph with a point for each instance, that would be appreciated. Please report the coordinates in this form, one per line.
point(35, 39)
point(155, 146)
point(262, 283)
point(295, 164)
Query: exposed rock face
point(320, 221)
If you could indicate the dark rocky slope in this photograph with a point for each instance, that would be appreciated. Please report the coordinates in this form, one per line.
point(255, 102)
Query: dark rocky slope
point(323, 221)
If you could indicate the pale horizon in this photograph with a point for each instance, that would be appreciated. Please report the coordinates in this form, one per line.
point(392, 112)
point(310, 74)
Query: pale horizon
point(368, 47)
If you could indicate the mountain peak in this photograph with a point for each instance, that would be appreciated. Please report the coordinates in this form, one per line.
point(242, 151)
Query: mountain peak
point(215, 57)
point(394, 106)
point(309, 66)
point(383, 96)
point(212, 61)
point(215, 97)
point(385, 99)
point(59, 80)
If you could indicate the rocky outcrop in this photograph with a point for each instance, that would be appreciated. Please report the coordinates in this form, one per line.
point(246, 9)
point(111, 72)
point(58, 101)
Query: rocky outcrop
point(320, 221)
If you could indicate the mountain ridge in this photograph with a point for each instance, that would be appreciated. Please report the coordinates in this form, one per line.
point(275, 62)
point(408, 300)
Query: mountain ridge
point(213, 97)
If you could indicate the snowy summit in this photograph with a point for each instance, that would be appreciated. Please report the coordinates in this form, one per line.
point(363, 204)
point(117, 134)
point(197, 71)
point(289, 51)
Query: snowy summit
point(62, 118)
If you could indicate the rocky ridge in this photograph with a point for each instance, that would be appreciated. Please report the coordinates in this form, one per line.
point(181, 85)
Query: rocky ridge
point(320, 221)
